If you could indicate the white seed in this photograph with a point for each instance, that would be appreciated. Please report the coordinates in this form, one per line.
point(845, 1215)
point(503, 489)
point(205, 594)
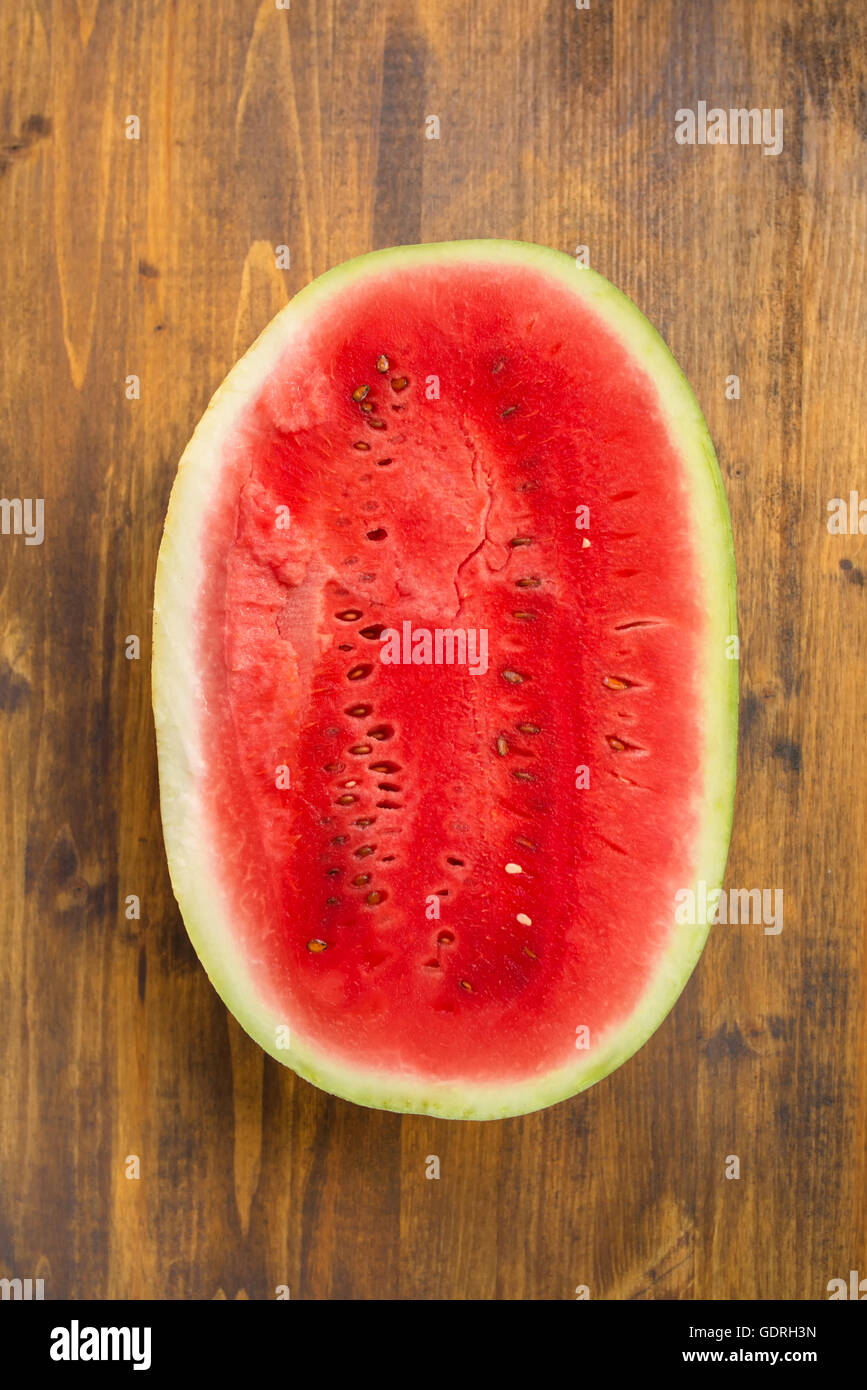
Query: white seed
point(514, 869)
point(585, 543)
point(524, 919)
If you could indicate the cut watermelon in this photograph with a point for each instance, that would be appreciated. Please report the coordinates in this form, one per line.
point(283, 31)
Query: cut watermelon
point(445, 707)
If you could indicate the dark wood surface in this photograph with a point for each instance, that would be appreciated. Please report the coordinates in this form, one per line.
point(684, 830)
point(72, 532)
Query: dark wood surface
point(155, 257)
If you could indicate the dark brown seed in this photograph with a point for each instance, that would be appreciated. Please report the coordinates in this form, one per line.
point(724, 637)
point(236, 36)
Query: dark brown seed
point(359, 749)
point(331, 902)
point(372, 633)
point(465, 984)
point(349, 615)
point(525, 616)
point(360, 392)
point(513, 677)
point(382, 363)
point(347, 799)
point(375, 423)
point(521, 776)
point(451, 860)
point(528, 728)
point(332, 873)
point(510, 410)
point(380, 534)
point(373, 899)
point(361, 444)
point(363, 822)
point(531, 582)
point(399, 383)
point(383, 463)
point(340, 839)
point(358, 711)
point(358, 673)
point(333, 767)
point(521, 540)
point(360, 880)
point(363, 851)
point(316, 945)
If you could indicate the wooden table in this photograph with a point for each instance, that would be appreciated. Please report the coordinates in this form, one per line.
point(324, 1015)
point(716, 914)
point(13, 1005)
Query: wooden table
point(153, 257)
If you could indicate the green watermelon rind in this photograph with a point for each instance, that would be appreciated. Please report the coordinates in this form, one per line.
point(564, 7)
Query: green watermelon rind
point(177, 697)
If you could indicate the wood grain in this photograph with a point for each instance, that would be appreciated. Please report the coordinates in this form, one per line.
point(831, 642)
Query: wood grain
point(154, 257)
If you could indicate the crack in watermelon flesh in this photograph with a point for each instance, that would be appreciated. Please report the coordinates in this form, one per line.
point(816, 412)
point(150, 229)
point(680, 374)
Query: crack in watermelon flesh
point(445, 496)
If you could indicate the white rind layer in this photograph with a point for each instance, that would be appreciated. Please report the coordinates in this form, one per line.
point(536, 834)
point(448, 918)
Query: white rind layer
point(178, 696)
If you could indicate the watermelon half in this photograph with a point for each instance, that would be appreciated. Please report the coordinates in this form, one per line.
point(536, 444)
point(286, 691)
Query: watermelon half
point(444, 696)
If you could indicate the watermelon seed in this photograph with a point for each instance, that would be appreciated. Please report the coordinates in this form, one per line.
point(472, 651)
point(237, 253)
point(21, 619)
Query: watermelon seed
point(524, 919)
point(385, 767)
point(432, 965)
point(533, 582)
point(525, 616)
point(383, 463)
point(332, 902)
point(526, 844)
point(349, 615)
point(346, 800)
point(442, 893)
point(333, 873)
point(531, 954)
point(345, 647)
point(360, 392)
point(340, 839)
point(353, 783)
point(502, 746)
point(510, 410)
point(363, 851)
point(388, 806)
point(374, 898)
point(514, 869)
point(458, 862)
point(372, 633)
point(499, 365)
point(513, 677)
point(528, 728)
point(387, 787)
point(382, 731)
point(358, 711)
point(465, 984)
point(362, 445)
point(387, 858)
point(639, 622)
point(316, 945)
point(530, 485)
point(358, 673)
point(375, 423)
point(617, 744)
point(521, 540)
point(399, 383)
point(379, 534)
point(367, 407)
point(333, 767)
point(360, 749)
point(360, 880)
point(615, 683)
point(445, 938)
point(521, 776)
point(363, 822)
point(382, 363)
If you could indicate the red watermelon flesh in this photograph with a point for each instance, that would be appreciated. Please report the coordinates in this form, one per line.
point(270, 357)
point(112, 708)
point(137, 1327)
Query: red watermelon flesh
point(440, 875)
